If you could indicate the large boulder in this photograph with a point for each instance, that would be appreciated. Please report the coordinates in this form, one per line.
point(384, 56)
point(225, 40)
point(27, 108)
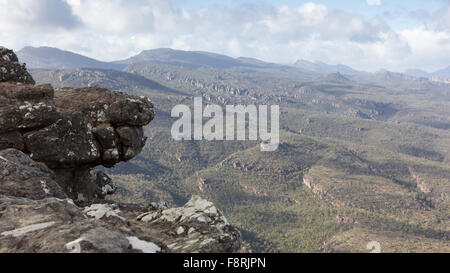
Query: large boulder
point(71, 130)
point(20, 176)
point(198, 225)
point(26, 107)
point(59, 226)
point(73, 127)
point(115, 119)
point(102, 106)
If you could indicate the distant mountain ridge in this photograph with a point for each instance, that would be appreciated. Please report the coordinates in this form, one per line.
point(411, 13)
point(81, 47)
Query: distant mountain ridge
point(54, 58)
point(335, 78)
point(323, 68)
point(196, 59)
point(442, 73)
point(183, 58)
point(417, 73)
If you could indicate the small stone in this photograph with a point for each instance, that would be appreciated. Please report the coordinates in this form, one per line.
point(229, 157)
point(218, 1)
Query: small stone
point(180, 230)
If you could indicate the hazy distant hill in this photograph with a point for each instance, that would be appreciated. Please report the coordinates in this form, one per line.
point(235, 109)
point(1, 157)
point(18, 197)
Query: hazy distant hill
point(54, 58)
point(183, 58)
point(334, 78)
point(110, 79)
point(417, 73)
point(323, 68)
point(393, 79)
point(442, 73)
point(192, 59)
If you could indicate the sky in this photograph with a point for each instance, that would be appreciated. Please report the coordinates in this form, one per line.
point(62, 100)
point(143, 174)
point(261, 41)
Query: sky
point(366, 34)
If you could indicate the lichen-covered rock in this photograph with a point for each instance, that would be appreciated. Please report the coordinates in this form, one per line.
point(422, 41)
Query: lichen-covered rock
point(54, 226)
point(26, 107)
point(50, 143)
point(72, 130)
point(198, 225)
point(11, 69)
point(65, 144)
point(19, 92)
point(59, 226)
point(63, 132)
point(22, 177)
point(102, 106)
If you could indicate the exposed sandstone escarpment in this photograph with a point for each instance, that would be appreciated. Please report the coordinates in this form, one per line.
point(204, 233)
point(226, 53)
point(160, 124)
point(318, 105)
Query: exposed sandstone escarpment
point(50, 143)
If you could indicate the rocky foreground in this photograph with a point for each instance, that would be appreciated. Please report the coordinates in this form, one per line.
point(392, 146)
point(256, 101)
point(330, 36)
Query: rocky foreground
point(52, 199)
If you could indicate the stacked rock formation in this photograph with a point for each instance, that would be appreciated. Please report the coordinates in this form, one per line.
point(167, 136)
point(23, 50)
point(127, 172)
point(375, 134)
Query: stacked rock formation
point(52, 199)
point(11, 69)
point(71, 130)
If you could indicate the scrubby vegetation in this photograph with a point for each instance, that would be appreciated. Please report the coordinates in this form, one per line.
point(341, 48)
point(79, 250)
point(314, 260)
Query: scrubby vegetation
point(363, 158)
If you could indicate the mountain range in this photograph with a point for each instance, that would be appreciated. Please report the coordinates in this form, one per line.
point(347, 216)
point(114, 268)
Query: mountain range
point(442, 73)
point(321, 67)
point(193, 59)
point(53, 58)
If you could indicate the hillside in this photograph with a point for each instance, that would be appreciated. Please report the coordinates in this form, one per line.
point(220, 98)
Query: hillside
point(195, 59)
point(362, 156)
point(442, 73)
point(324, 68)
point(53, 58)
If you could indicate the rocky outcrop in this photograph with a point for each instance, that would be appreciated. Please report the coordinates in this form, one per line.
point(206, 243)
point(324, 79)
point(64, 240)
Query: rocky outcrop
point(11, 69)
point(55, 225)
point(197, 225)
point(71, 130)
point(37, 216)
point(309, 181)
point(20, 176)
point(52, 199)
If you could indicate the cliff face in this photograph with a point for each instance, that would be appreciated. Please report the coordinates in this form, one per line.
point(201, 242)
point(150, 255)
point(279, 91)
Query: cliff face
point(52, 199)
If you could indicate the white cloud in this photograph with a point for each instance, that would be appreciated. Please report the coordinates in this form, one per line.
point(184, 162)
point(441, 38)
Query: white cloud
point(442, 18)
point(30, 14)
point(430, 48)
point(116, 29)
point(373, 2)
point(117, 15)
